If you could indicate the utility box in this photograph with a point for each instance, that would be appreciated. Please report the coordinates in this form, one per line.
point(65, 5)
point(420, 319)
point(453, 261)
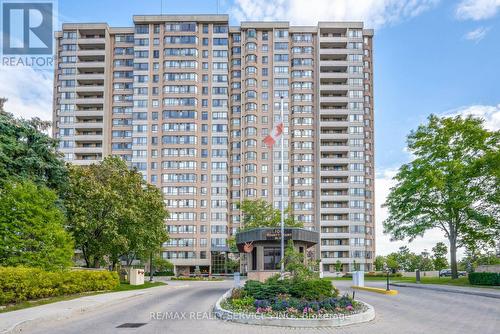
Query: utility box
point(358, 278)
point(136, 276)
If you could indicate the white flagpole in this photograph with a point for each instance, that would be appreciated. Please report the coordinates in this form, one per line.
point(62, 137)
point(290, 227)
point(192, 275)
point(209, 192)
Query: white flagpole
point(282, 190)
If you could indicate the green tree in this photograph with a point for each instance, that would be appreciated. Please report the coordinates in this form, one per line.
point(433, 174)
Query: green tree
point(338, 266)
point(162, 265)
point(113, 213)
point(294, 263)
point(379, 262)
point(259, 213)
point(452, 184)
point(26, 152)
point(32, 228)
point(392, 261)
point(473, 259)
point(439, 256)
point(406, 259)
point(424, 261)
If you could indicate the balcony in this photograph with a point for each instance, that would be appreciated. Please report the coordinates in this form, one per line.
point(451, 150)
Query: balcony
point(89, 112)
point(98, 52)
point(330, 75)
point(341, 124)
point(333, 99)
point(92, 41)
point(90, 64)
point(89, 138)
point(84, 162)
point(90, 76)
point(333, 87)
point(333, 63)
point(334, 247)
point(88, 150)
point(88, 125)
point(90, 100)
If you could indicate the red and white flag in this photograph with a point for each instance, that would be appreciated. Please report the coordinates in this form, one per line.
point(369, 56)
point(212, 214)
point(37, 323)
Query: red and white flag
point(276, 132)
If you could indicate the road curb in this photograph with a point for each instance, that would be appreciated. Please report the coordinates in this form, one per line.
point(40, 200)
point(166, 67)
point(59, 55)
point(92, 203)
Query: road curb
point(434, 288)
point(227, 315)
point(377, 290)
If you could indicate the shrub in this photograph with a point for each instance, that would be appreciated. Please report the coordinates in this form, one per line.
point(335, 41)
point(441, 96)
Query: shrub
point(484, 278)
point(243, 304)
point(237, 293)
point(313, 289)
point(19, 284)
point(271, 288)
point(309, 289)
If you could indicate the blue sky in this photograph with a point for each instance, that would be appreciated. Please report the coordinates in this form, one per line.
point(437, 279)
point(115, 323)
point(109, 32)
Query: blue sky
point(431, 56)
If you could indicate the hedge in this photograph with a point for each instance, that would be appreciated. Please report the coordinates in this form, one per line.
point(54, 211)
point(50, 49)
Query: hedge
point(484, 278)
point(19, 284)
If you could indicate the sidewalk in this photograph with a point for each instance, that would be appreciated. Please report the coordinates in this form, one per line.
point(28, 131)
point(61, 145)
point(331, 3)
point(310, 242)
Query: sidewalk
point(483, 292)
point(13, 321)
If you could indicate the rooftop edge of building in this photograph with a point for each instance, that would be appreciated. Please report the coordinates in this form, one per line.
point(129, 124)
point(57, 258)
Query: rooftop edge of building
point(180, 17)
point(221, 18)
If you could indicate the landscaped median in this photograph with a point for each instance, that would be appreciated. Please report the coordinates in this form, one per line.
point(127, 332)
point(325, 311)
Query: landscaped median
point(291, 303)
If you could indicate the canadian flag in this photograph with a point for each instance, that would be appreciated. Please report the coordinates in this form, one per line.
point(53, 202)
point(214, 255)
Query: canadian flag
point(274, 135)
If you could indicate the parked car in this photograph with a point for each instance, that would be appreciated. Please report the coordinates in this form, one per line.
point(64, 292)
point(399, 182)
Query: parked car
point(447, 273)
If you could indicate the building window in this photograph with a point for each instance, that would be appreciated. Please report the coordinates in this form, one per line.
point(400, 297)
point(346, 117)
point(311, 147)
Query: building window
point(272, 258)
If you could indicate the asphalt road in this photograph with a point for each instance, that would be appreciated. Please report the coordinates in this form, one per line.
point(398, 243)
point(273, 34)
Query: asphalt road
point(412, 311)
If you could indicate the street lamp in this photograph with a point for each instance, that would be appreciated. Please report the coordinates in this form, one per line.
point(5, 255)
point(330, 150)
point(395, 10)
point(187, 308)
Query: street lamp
point(386, 268)
point(151, 267)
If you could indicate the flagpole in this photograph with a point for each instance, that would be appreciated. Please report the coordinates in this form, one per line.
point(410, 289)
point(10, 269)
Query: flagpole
point(282, 220)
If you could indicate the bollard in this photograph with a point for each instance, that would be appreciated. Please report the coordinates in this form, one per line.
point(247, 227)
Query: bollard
point(236, 279)
point(417, 276)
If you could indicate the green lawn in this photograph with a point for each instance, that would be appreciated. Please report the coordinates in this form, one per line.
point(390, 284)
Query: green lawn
point(461, 281)
point(367, 278)
point(127, 286)
point(38, 302)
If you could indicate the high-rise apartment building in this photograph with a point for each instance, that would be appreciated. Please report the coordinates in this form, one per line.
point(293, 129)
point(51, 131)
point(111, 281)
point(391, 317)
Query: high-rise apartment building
point(187, 101)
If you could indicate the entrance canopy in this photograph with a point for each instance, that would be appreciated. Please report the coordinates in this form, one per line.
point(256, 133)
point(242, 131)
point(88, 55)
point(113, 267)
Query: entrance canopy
point(267, 234)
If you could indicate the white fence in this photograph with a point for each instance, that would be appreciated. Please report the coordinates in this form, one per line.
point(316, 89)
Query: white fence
point(433, 273)
point(492, 268)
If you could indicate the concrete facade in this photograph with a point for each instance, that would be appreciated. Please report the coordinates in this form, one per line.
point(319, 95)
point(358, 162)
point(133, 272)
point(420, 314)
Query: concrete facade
point(187, 100)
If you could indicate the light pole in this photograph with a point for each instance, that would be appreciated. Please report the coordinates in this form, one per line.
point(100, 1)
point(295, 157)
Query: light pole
point(282, 206)
point(386, 268)
point(151, 267)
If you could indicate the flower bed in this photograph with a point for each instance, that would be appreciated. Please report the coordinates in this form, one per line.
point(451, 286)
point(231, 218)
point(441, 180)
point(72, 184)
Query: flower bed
point(290, 298)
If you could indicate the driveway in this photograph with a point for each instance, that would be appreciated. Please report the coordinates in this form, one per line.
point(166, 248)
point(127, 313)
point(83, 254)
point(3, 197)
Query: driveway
point(411, 311)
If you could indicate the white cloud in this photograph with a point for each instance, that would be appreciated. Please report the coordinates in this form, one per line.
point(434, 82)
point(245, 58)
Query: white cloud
point(375, 13)
point(477, 9)
point(29, 91)
point(490, 114)
point(477, 35)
